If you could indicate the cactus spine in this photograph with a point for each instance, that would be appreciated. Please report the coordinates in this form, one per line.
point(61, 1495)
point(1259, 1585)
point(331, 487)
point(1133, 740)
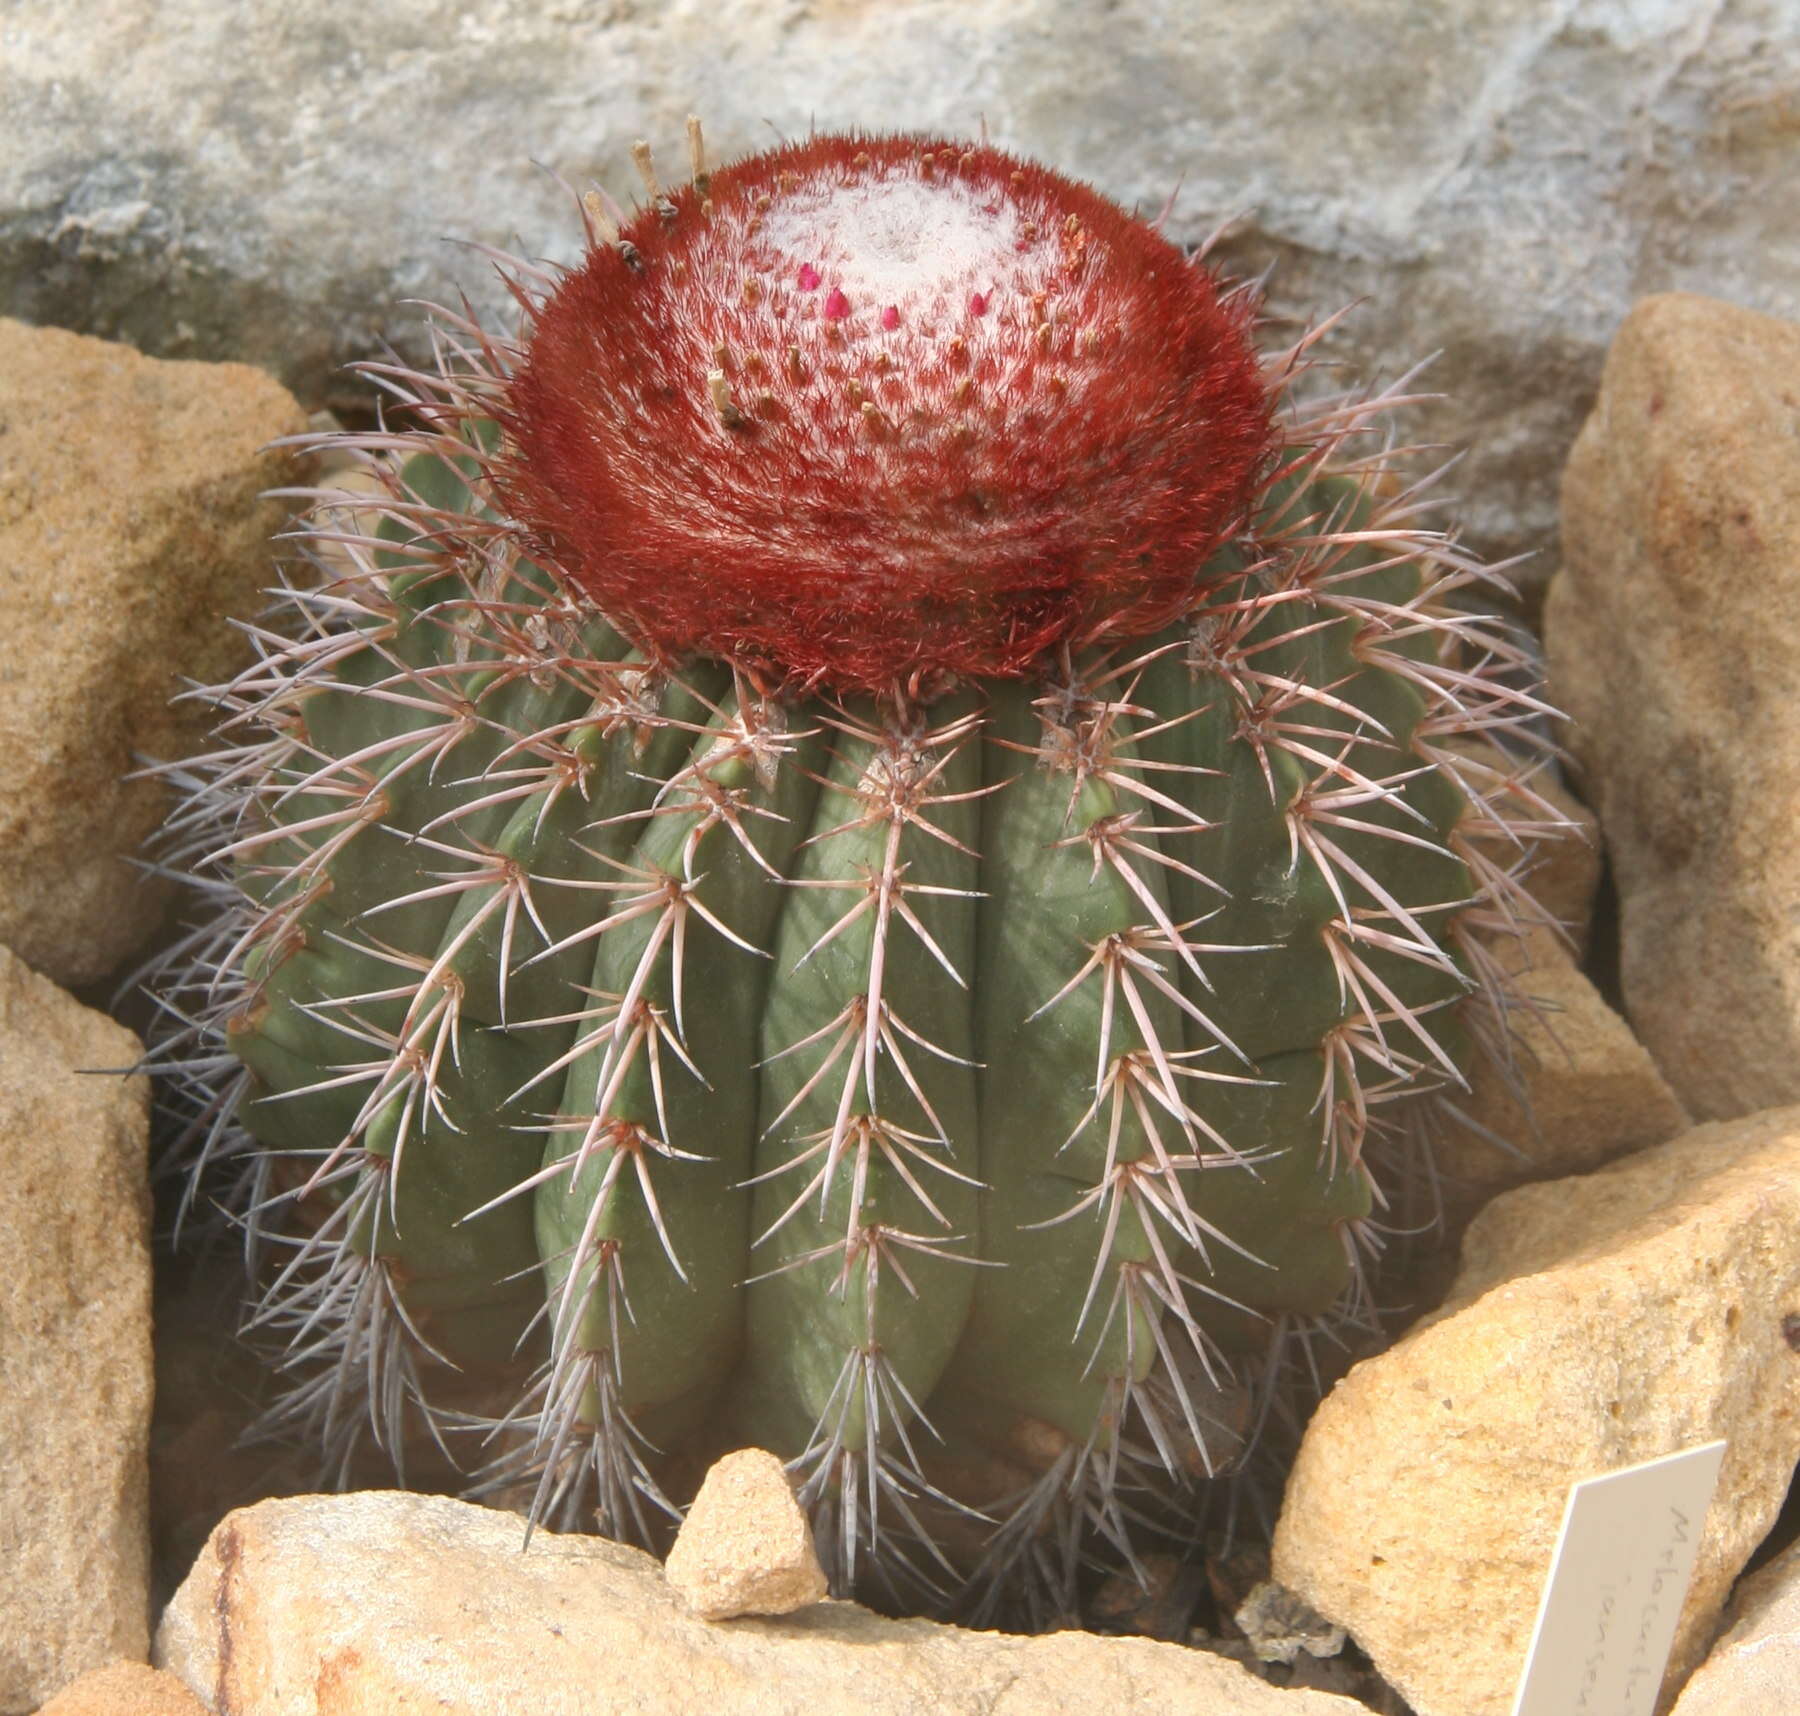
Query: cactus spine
point(861, 857)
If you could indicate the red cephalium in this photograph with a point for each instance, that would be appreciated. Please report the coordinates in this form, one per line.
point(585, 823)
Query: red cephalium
point(861, 412)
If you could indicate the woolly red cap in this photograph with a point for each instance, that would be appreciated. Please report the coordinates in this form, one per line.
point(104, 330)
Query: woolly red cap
point(860, 413)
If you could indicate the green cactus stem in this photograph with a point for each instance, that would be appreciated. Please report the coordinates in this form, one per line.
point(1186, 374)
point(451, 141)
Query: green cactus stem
point(862, 849)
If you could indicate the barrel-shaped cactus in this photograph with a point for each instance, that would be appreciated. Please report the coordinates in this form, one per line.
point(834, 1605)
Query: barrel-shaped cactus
point(856, 849)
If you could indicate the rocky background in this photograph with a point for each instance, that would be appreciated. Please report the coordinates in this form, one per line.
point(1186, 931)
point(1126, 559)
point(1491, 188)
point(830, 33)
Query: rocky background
point(259, 186)
point(267, 183)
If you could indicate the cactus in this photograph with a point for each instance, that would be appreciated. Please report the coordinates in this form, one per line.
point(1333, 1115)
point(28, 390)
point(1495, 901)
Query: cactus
point(861, 849)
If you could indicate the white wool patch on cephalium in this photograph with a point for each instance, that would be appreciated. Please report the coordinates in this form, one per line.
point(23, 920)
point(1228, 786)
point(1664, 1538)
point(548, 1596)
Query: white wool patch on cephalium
point(894, 239)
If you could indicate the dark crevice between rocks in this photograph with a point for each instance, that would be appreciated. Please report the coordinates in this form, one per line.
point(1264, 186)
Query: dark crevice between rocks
point(1601, 966)
point(1784, 1533)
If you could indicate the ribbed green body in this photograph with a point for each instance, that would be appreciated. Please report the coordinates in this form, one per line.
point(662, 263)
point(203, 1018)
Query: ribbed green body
point(952, 1099)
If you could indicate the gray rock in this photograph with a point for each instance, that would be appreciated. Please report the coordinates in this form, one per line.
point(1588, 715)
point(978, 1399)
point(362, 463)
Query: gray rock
point(74, 1342)
point(253, 182)
point(1754, 1668)
point(1279, 1625)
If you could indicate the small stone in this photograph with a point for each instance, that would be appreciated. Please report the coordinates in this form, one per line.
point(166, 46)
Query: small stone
point(74, 1341)
point(379, 1602)
point(1754, 1668)
point(125, 1689)
point(745, 1547)
point(1280, 1625)
point(130, 528)
point(1672, 629)
point(1597, 1322)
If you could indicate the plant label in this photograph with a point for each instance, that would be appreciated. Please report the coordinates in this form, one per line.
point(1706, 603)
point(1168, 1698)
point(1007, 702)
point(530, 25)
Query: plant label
point(1616, 1586)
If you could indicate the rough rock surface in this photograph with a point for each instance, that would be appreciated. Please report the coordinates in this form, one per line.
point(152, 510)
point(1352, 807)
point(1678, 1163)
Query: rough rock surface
point(74, 1342)
point(377, 1602)
point(1597, 1322)
point(1673, 628)
point(129, 527)
point(1754, 1668)
point(745, 1547)
point(1278, 1625)
point(125, 1689)
point(1501, 181)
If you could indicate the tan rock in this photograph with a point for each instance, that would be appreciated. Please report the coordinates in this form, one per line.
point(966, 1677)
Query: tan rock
point(125, 1689)
point(74, 1342)
point(745, 1547)
point(382, 1602)
point(129, 528)
point(1672, 630)
point(1754, 1668)
point(1597, 1322)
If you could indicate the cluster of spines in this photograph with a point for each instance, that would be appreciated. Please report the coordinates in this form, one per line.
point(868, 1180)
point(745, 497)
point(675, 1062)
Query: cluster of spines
point(433, 614)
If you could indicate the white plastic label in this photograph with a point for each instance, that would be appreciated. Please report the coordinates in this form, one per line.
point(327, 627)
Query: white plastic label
point(1616, 1586)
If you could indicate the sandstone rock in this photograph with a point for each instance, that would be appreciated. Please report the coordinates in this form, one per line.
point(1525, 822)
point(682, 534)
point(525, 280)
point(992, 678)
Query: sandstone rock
point(1673, 628)
point(745, 1547)
point(74, 1342)
point(1754, 1668)
point(1500, 180)
point(124, 1689)
point(1597, 1322)
point(129, 528)
point(371, 1603)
